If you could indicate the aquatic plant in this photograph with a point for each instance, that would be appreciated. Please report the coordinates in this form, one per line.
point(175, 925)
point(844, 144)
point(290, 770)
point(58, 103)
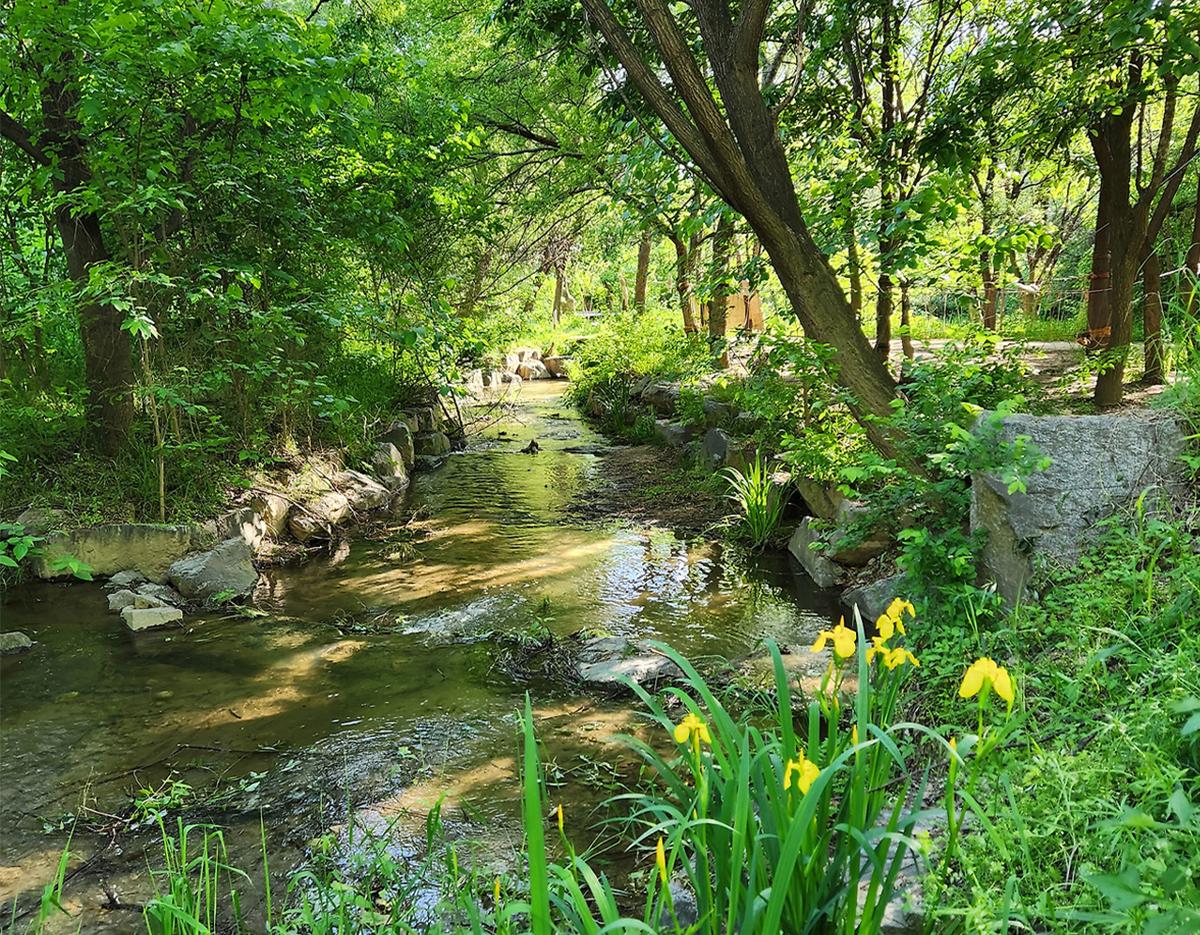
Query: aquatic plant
point(759, 498)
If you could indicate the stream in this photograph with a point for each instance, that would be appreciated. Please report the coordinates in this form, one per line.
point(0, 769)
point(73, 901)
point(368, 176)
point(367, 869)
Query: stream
point(370, 684)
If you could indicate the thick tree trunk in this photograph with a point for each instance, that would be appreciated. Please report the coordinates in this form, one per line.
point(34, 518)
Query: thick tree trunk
point(883, 316)
point(991, 296)
point(1115, 255)
point(107, 354)
point(1152, 318)
point(643, 272)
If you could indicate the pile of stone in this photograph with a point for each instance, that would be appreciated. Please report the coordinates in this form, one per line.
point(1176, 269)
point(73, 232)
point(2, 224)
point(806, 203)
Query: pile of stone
point(524, 363)
point(156, 571)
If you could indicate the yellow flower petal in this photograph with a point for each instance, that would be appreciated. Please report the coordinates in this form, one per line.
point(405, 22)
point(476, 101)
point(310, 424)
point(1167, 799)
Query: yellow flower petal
point(1002, 682)
point(821, 640)
point(973, 681)
point(660, 858)
point(681, 732)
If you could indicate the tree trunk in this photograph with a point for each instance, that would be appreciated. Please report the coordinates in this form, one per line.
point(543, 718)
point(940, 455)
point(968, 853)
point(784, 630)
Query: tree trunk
point(883, 315)
point(887, 190)
point(556, 309)
point(1152, 318)
point(853, 264)
point(107, 355)
point(718, 303)
point(991, 294)
point(683, 285)
point(643, 272)
point(1115, 254)
point(906, 320)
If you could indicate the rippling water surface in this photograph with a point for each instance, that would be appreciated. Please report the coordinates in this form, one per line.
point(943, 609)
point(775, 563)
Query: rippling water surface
point(371, 684)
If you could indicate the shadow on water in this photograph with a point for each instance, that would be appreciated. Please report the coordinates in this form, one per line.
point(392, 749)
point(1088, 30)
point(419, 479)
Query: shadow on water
point(370, 687)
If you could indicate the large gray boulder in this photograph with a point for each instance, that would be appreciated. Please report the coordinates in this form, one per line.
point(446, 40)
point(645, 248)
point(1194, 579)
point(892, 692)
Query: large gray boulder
point(14, 641)
point(148, 548)
point(363, 492)
point(226, 570)
point(533, 369)
point(400, 435)
point(243, 523)
point(871, 600)
point(388, 464)
point(431, 444)
point(607, 661)
point(808, 548)
point(39, 520)
point(318, 517)
point(1097, 464)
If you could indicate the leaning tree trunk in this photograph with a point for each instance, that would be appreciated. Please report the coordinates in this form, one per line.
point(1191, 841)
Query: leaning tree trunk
point(643, 272)
point(738, 148)
point(1152, 318)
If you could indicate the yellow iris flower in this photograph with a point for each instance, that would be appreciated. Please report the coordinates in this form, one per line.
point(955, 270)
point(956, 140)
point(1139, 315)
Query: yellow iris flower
point(892, 658)
point(985, 673)
point(802, 773)
point(660, 859)
point(844, 640)
point(560, 819)
point(691, 728)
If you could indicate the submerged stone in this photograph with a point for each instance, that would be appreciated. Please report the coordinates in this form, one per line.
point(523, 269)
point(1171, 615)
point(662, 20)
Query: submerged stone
point(14, 641)
point(607, 661)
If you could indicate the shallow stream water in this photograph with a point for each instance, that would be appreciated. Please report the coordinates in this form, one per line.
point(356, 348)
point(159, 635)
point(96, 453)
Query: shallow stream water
point(370, 685)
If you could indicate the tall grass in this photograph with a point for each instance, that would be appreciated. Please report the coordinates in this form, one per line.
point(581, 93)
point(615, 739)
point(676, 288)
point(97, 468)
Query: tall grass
point(759, 499)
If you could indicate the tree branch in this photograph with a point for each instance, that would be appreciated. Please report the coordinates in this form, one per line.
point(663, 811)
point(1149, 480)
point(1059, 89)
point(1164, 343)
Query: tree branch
point(16, 133)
